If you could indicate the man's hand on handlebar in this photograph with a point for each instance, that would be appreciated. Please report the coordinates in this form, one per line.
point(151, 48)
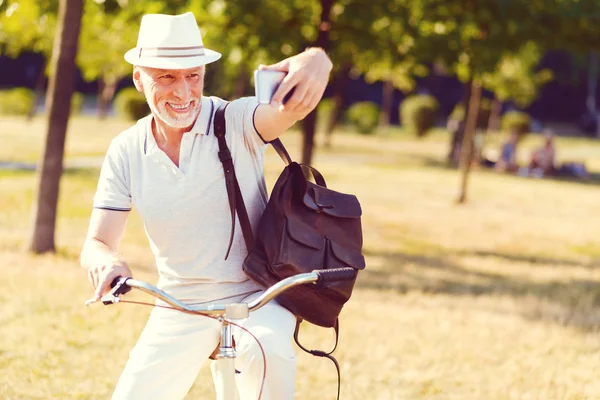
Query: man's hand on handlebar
point(102, 276)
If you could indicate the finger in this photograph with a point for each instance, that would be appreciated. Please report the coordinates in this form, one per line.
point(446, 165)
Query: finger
point(314, 101)
point(296, 102)
point(95, 277)
point(285, 86)
point(91, 279)
point(104, 283)
point(318, 96)
point(280, 66)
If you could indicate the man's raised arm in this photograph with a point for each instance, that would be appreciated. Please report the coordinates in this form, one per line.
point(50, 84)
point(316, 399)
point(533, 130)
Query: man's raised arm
point(307, 72)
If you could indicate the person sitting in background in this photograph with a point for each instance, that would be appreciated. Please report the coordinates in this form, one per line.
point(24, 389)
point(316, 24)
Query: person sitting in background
point(543, 158)
point(508, 155)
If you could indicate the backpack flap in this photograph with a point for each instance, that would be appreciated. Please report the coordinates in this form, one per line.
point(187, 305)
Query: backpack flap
point(330, 202)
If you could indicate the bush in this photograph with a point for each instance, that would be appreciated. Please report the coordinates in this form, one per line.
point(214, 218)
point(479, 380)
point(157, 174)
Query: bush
point(131, 104)
point(324, 110)
point(76, 103)
point(364, 116)
point(483, 117)
point(516, 121)
point(17, 101)
point(418, 113)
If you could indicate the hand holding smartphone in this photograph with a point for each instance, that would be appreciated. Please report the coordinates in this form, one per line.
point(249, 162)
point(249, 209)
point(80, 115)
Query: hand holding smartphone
point(266, 83)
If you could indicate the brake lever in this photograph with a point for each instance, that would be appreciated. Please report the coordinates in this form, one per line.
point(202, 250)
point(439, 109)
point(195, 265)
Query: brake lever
point(119, 286)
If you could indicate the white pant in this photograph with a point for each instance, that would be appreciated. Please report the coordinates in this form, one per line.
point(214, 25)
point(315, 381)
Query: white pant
point(173, 346)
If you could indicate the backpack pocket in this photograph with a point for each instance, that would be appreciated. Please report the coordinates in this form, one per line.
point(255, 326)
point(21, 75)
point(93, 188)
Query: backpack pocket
point(341, 257)
point(301, 250)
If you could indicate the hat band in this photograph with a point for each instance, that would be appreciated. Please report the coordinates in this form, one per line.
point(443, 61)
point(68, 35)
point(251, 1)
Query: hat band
point(171, 52)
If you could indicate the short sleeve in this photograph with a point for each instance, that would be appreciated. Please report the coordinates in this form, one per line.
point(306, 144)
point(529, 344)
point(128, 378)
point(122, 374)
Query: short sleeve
point(240, 113)
point(113, 192)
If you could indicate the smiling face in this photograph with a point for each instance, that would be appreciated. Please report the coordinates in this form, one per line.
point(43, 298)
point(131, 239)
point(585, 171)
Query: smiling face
point(173, 95)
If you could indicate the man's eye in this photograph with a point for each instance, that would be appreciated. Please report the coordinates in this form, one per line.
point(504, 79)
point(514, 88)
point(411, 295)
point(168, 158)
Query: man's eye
point(193, 76)
point(166, 77)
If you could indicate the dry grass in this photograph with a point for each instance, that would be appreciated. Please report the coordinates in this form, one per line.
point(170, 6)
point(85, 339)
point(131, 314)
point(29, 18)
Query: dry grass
point(497, 299)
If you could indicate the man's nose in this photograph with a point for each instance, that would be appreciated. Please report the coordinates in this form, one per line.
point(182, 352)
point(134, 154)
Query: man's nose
point(182, 90)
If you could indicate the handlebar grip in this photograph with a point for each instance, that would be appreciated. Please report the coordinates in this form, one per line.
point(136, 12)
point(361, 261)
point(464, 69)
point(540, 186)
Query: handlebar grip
point(335, 274)
point(120, 286)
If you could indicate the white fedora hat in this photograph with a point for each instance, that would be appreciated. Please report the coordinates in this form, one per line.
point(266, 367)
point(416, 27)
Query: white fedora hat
point(170, 42)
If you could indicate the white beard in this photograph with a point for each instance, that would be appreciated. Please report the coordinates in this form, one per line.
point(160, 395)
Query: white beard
point(180, 121)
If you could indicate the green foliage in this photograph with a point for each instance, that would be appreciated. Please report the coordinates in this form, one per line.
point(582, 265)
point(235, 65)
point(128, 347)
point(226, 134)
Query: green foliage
point(28, 25)
point(324, 110)
point(517, 121)
point(108, 31)
point(17, 101)
point(515, 77)
point(131, 104)
point(76, 103)
point(364, 116)
point(418, 113)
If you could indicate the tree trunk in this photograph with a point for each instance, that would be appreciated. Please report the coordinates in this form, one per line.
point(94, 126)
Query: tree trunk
point(387, 102)
point(38, 91)
point(241, 82)
point(591, 101)
point(58, 102)
point(309, 124)
point(466, 153)
point(106, 92)
point(458, 134)
point(340, 91)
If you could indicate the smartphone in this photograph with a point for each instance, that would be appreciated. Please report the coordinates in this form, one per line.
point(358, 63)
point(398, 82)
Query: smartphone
point(266, 83)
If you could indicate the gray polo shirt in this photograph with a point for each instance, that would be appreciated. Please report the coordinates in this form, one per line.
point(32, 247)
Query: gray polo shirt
point(186, 210)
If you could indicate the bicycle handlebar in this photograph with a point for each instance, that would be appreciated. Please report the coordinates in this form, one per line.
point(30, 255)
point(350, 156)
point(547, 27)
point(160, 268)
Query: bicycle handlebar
point(123, 285)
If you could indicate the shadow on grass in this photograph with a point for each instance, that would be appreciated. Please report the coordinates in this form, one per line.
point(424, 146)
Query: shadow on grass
point(573, 302)
point(530, 259)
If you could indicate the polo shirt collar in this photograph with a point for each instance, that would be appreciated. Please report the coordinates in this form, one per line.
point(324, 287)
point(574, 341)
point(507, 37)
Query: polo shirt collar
point(201, 126)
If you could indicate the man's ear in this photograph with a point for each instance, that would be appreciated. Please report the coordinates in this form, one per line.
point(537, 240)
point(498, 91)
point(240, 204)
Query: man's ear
point(137, 79)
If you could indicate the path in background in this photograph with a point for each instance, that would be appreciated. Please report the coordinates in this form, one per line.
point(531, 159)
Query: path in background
point(75, 163)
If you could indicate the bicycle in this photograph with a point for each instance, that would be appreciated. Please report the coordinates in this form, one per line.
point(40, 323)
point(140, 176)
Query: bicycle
point(226, 314)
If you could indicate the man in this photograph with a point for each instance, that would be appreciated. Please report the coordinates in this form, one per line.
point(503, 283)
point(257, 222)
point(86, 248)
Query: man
point(168, 168)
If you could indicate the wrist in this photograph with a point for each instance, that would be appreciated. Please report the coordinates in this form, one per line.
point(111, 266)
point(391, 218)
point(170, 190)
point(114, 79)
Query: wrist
point(319, 52)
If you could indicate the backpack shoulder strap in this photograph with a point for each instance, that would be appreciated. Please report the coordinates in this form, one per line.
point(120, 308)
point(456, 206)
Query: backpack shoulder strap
point(320, 353)
point(280, 149)
point(236, 201)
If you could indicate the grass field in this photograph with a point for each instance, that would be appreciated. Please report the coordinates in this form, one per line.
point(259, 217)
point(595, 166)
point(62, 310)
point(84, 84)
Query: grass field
point(496, 299)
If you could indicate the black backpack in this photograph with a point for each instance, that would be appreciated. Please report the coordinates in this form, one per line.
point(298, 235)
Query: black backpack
point(305, 226)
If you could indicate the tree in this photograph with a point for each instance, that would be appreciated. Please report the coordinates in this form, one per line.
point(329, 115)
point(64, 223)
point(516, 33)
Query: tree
point(24, 26)
point(274, 29)
point(108, 31)
point(389, 59)
point(591, 101)
point(62, 82)
point(471, 38)
point(516, 78)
